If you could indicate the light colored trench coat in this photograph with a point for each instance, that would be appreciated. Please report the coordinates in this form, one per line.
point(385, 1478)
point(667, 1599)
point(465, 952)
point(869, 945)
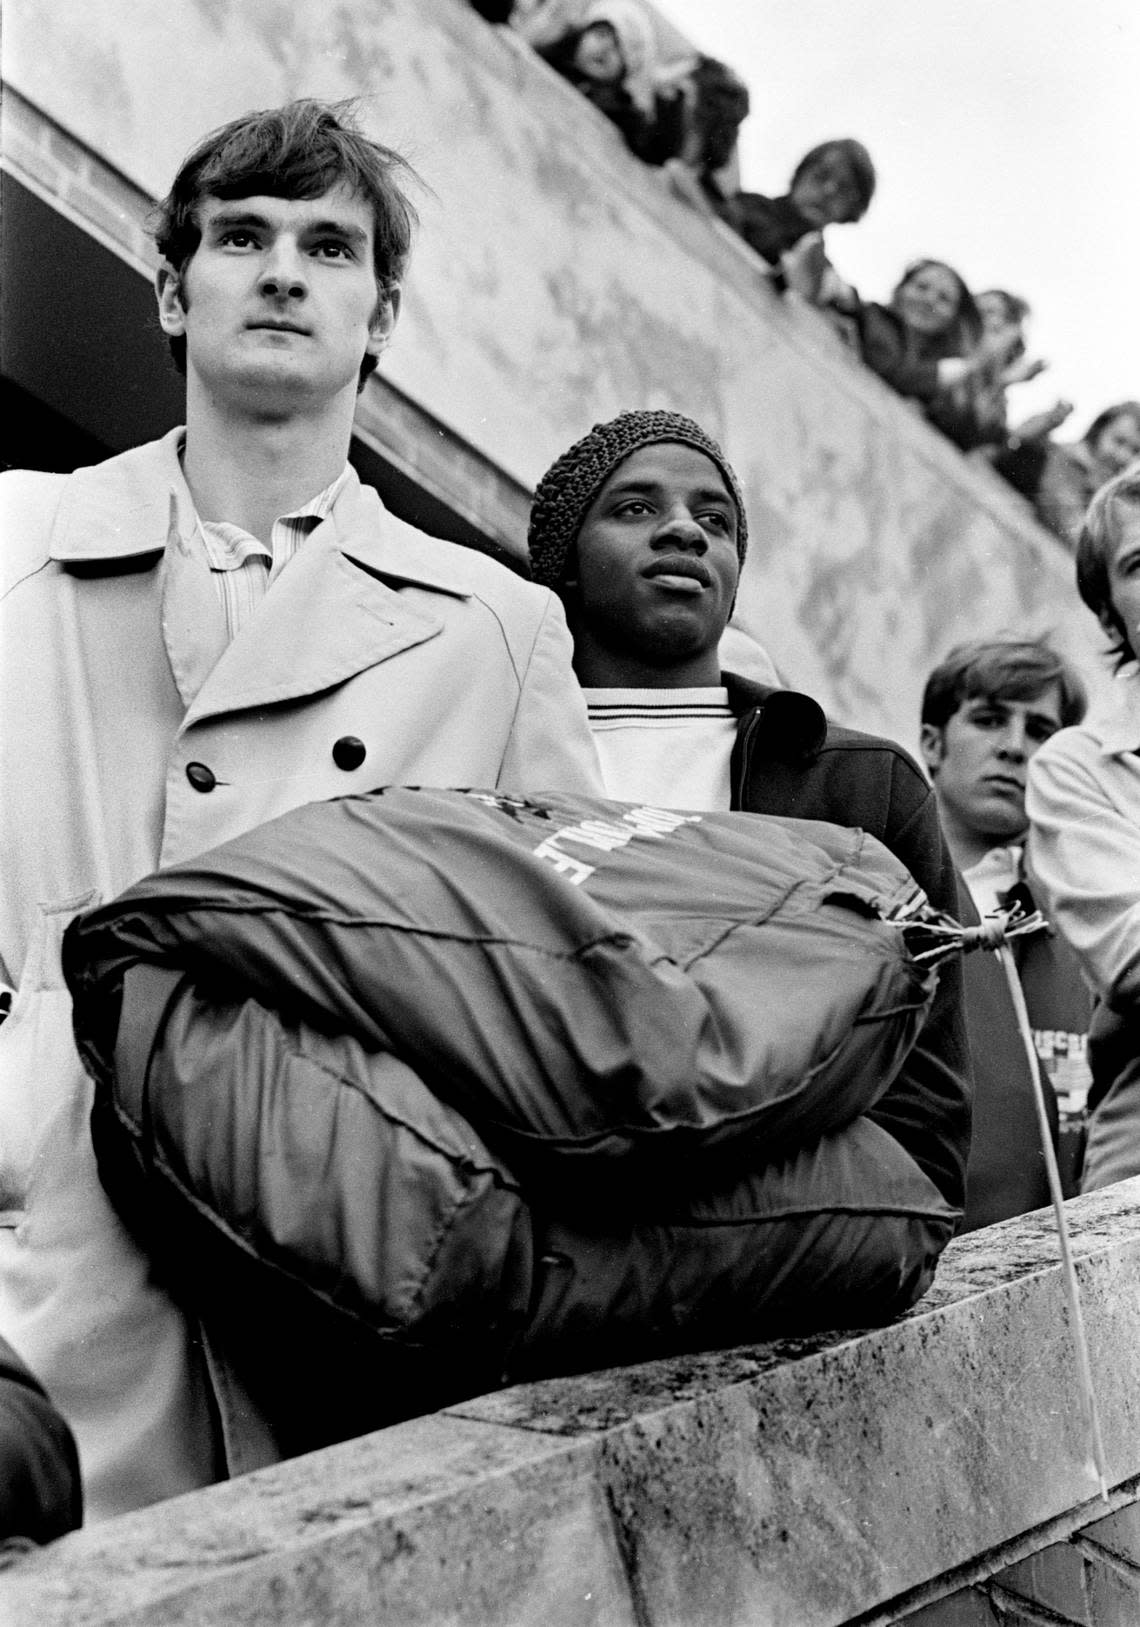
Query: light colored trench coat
point(116, 676)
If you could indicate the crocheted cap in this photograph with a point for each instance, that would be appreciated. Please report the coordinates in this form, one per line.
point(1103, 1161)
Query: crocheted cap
point(569, 486)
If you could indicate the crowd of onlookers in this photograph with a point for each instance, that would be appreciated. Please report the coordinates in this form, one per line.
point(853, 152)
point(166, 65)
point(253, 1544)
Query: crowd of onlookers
point(954, 353)
point(217, 637)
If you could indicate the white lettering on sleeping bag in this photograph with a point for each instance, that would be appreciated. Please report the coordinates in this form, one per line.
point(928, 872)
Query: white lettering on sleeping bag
point(607, 835)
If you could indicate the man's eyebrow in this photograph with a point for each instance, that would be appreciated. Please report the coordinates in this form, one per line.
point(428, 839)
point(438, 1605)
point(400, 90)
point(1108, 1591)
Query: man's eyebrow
point(228, 218)
point(346, 230)
point(642, 483)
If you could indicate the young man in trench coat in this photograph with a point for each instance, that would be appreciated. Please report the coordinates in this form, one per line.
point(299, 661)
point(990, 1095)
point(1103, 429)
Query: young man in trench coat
point(199, 635)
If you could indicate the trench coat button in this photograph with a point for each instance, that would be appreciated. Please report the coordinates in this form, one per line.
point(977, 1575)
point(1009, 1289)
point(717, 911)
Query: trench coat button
point(349, 752)
point(201, 777)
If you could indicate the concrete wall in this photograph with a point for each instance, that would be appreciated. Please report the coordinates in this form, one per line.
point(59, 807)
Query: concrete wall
point(931, 1472)
point(558, 281)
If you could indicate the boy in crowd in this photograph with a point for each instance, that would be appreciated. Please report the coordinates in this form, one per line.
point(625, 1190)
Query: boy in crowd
point(986, 709)
point(833, 184)
point(641, 529)
point(201, 634)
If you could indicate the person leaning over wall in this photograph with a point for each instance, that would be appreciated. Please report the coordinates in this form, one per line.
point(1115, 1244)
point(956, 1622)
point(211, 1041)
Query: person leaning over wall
point(608, 55)
point(1016, 451)
point(1083, 802)
point(641, 529)
point(833, 184)
point(1067, 475)
point(703, 165)
point(987, 708)
point(927, 343)
point(199, 635)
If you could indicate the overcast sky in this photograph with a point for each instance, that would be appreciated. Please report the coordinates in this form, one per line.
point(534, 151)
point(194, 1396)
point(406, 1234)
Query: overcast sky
point(1006, 134)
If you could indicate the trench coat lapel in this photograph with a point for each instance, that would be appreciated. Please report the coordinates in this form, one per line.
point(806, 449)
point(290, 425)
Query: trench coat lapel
point(326, 618)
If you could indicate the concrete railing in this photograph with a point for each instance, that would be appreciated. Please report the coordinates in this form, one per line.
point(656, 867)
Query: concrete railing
point(933, 1468)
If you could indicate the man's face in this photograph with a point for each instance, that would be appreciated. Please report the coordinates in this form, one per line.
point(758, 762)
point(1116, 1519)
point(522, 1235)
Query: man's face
point(978, 764)
point(656, 560)
point(1124, 574)
point(279, 302)
point(826, 191)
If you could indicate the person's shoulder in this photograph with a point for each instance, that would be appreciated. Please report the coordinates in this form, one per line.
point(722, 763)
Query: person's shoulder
point(1076, 743)
point(31, 490)
point(799, 719)
point(454, 567)
point(860, 746)
point(1068, 762)
point(37, 508)
point(872, 771)
point(1110, 729)
point(29, 502)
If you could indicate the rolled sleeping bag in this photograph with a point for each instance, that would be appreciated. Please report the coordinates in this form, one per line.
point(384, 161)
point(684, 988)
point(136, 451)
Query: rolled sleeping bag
point(598, 986)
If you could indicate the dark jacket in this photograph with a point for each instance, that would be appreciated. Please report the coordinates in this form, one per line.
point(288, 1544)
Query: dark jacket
point(1006, 1174)
point(771, 226)
point(901, 359)
point(652, 137)
point(1113, 1151)
point(40, 1496)
point(1007, 1169)
point(789, 760)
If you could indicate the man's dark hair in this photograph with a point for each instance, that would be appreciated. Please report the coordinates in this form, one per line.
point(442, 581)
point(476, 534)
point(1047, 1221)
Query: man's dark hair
point(859, 167)
point(301, 150)
point(1001, 669)
point(721, 104)
point(1096, 545)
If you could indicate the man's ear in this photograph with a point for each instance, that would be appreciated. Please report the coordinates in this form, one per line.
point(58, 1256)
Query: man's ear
point(383, 323)
point(171, 305)
point(933, 745)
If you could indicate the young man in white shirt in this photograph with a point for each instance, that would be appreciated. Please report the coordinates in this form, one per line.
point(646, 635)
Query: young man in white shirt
point(1084, 808)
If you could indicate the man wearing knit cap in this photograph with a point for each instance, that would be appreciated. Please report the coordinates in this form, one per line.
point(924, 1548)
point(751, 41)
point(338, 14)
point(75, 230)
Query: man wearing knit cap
point(641, 529)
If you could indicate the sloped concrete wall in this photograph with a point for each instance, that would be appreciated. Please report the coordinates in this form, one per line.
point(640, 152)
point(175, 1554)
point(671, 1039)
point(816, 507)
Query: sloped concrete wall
point(557, 281)
point(810, 1483)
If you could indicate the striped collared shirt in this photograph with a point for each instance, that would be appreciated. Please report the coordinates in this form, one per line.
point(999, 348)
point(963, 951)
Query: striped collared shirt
point(243, 569)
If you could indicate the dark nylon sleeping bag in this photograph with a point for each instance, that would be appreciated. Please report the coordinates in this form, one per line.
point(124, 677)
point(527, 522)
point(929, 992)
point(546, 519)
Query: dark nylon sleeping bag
point(583, 980)
point(404, 1104)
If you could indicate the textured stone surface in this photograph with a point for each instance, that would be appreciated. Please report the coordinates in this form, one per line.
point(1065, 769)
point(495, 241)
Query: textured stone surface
point(557, 281)
point(796, 1484)
point(433, 1522)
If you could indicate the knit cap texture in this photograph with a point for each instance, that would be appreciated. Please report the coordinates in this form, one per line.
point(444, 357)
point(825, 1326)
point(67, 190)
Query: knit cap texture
point(569, 486)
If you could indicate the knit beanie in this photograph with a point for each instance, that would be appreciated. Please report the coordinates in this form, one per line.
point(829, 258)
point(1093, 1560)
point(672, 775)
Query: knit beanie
point(570, 485)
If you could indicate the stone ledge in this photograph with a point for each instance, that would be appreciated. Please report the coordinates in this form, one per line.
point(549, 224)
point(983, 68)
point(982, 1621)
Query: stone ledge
point(797, 1484)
